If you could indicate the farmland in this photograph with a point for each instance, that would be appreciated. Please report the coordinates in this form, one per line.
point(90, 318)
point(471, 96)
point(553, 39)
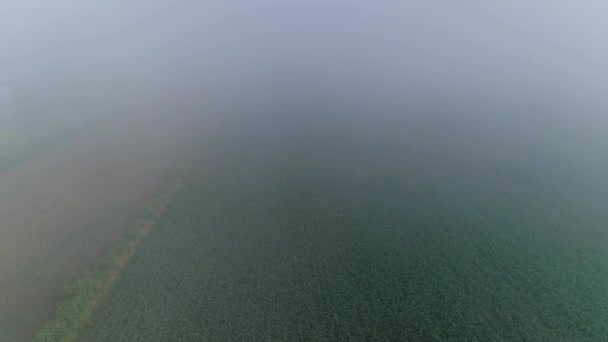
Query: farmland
point(64, 208)
point(319, 237)
point(303, 171)
point(26, 139)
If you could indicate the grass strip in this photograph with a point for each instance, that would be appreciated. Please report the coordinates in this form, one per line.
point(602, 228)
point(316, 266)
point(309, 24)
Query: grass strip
point(84, 297)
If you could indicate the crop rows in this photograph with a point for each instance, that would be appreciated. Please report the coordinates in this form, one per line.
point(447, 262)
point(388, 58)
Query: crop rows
point(292, 249)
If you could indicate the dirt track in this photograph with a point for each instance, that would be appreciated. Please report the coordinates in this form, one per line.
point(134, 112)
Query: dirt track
point(60, 212)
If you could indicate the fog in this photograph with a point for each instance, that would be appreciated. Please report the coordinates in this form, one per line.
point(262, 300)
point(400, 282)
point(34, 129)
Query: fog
point(74, 49)
point(464, 98)
point(73, 58)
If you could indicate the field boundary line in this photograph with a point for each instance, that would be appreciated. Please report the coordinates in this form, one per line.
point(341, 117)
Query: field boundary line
point(85, 296)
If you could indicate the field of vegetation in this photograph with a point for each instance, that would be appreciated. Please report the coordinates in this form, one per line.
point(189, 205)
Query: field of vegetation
point(323, 241)
point(22, 139)
point(83, 298)
point(68, 205)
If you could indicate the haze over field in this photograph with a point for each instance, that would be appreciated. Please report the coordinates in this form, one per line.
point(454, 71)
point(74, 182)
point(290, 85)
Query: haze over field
point(111, 50)
point(361, 167)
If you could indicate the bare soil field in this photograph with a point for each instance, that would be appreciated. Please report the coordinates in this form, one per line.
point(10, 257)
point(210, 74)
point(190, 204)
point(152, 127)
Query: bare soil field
point(63, 210)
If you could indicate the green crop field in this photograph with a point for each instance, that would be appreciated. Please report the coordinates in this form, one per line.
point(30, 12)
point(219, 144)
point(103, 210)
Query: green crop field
point(319, 244)
point(26, 139)
point(15, 150)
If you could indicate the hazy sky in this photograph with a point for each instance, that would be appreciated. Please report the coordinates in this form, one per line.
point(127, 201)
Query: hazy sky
point(552, 46)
